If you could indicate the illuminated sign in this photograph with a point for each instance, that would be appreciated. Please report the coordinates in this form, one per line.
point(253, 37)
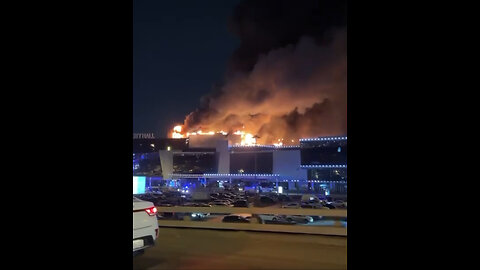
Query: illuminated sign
point(143, 136)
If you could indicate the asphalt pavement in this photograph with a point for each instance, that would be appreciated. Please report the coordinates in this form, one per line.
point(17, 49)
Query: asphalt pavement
point(218, 249)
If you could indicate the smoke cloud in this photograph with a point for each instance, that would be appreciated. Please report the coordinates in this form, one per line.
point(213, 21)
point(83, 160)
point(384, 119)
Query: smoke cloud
point(288, 78)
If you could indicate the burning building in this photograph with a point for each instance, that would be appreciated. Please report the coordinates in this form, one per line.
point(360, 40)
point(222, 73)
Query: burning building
point(315, 165)
point(286, 81)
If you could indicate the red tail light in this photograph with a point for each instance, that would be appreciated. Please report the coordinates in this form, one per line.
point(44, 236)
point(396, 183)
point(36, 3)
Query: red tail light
point(151, 211)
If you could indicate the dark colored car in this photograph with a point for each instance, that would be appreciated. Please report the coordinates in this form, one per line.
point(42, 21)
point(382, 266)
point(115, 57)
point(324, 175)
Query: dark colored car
point(195, 204)
point(235, 219)
point(241, 203)
point(203, 205)
point(265, 199)
point(163, 204)
point(329, 206)
point(307, 205)
point(284, 198)
point(170, 215)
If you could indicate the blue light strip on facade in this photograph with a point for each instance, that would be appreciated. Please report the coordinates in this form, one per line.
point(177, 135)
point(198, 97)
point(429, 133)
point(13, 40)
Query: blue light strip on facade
point(315, 181)
point(243, 174)
point(224, 175)
point(323, 166)
point(324, 139)
point(252, 175)
point(267, 146)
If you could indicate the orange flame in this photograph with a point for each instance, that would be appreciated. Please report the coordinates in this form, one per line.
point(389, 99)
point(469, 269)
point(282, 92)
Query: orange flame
point(246, 138)
point(177, 132)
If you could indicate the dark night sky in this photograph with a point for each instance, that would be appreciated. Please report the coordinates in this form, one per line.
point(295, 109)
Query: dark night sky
point(180, 50)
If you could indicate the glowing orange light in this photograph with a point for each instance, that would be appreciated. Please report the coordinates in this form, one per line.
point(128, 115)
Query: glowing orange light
point(177, 128)
point(246, 138)
point(177, 132)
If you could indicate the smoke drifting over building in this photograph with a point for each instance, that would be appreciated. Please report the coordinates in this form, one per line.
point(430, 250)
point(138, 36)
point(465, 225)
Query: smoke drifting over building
point(288, 78)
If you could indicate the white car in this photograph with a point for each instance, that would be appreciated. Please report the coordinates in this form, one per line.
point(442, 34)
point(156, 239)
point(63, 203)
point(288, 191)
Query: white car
point(268, 217)
point(299, 218)
point(199, 215)
point(145, 225)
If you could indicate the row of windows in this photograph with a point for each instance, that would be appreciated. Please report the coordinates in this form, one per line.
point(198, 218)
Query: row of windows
point(324, 153)
point(339, 174)
point(258, 163)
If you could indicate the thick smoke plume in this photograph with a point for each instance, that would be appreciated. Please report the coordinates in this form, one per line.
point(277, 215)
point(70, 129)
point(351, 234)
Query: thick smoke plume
point(288, 78)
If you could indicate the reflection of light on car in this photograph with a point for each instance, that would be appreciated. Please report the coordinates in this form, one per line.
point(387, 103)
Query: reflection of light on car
point(199, 215)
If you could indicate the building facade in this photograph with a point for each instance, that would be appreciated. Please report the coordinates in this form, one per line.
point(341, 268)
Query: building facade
point(317, 165)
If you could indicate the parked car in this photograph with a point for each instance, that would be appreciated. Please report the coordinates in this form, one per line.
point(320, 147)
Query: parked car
point(279, 220)
point(291, 205)
point(241, 203)
point(299, 218)
point(220, 204)
point(199, 216)
point(307, 205)
point(313, 205)
point(284, 198)
point(266, 200)
point(163, 204)
point(270, 217)
point(145, 226)
point(221, 201)
point(170, 215)
point(189, 204)
point(203, 205)
point(339, 204)
point(235, 219)
point(317, 218)
point(329, 206)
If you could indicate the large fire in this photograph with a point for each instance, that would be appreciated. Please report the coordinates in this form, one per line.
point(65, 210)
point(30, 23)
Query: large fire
point(279, 89)
point(177, 132)
point(245, 137)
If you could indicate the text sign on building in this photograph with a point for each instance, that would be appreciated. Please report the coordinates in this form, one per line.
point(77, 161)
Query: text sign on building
point(143, 136)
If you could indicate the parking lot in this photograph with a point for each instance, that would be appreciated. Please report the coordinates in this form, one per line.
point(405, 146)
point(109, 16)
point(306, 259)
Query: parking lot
point(242, 199)
point(214, 249)
point(264, 201)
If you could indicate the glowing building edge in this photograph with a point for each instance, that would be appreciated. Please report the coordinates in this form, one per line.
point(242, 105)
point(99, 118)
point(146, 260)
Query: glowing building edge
point(323, 166)
point(324, 139)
